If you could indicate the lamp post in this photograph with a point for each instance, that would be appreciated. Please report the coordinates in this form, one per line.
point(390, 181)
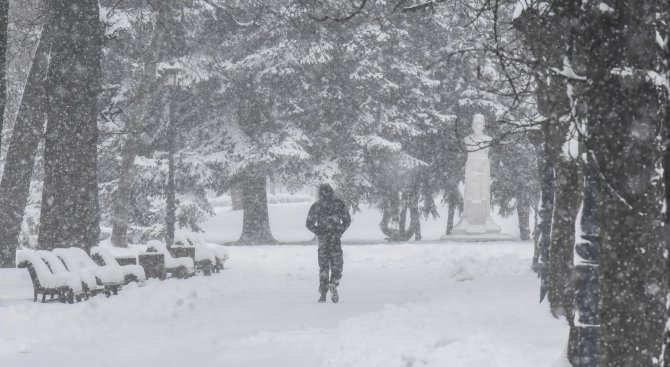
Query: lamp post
point(171, 77)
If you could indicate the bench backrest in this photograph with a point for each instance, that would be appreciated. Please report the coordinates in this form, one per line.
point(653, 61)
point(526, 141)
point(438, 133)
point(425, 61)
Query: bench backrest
point(106, 256)
point(75, 258)
point(44, 277)
point(55, 264)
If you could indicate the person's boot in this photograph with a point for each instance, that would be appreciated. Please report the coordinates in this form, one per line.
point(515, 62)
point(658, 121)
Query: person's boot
point(322, 299)
point(333, 293)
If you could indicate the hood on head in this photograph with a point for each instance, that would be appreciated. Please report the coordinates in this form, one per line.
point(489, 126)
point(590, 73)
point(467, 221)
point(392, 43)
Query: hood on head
point(326, 192)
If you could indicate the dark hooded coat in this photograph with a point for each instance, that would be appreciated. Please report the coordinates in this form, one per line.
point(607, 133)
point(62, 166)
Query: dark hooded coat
point(328, 216)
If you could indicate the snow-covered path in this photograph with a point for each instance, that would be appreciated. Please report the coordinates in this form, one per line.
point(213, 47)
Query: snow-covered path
point(455, 305)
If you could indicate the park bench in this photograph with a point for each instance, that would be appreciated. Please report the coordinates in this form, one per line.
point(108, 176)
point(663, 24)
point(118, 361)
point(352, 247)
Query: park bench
point(111, 278)
point(67, 286)
point(89, 284)
point(203, 258)
point(220, 254)
point(131, 273)
point(180, 267)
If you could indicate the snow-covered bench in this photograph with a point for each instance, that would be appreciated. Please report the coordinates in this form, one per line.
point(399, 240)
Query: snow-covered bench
point(181, 267)
point(88, 283)
point(206, 258)
point(131, 273)
point(203, 258)
point(220, 254)
point(67, 286)
point(111, 278)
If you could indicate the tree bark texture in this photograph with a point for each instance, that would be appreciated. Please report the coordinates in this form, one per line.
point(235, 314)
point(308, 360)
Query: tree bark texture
point(453, 201)
point(69, 213)
point(123, 194)
point(567, 200)
point(236, 198)
point(256, 221)
point(566, 205)
point(623, 124)
point(4, 23)
point(547, 177)
point(523, 213)
point(20, 159)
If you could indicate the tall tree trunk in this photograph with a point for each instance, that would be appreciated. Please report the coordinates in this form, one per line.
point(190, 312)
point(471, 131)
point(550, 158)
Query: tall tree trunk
point(546, 165)
point(236, 198)
point(415, 220)
point(523, 214)
point(622, 128)
point(123, 194)
point(4, 23)
point(666, 183)
point(588, 275)
point(562, 272)
point(256, 221)
point(69, 214)
point(122, 199)
point(20, 159)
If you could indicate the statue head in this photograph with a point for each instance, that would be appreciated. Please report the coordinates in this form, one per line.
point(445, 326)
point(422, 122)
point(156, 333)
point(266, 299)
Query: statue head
point(478, 123)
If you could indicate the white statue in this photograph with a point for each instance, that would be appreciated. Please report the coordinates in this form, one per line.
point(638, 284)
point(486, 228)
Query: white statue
point(476, 218)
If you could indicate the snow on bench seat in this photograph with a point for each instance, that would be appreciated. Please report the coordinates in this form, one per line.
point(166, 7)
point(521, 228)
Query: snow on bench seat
point(135, 271)
point(219, 251)
point(172, 263)
point(76, 258)
point(56, 265)
point(187, 239)
point(45, 277)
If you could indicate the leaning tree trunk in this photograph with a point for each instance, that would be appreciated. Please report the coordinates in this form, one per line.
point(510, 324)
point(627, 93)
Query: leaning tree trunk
point(20, 159)
point(69, 214)
point(453, 203)
point(256, 221)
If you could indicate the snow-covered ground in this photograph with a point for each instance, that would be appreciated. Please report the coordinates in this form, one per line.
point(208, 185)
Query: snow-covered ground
point(434, 304)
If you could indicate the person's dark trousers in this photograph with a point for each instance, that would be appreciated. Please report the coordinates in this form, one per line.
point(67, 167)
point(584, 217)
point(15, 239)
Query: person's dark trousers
point(330, 261)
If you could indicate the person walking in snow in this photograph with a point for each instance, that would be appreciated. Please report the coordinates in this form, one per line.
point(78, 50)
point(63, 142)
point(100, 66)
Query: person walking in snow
point(328, 218)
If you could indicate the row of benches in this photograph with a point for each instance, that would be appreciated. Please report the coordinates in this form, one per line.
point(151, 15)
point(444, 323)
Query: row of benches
point(69, 274)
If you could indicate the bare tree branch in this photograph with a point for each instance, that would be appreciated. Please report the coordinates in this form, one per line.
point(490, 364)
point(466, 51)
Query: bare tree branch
point(357, 11)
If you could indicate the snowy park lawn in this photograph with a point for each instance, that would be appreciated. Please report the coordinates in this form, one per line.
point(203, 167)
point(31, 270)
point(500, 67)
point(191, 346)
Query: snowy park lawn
point(434, 304)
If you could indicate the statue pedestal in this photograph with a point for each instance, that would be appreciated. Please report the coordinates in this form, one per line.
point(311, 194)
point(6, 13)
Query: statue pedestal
point(468, 232)
point(486, 237)
point(484, 225)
